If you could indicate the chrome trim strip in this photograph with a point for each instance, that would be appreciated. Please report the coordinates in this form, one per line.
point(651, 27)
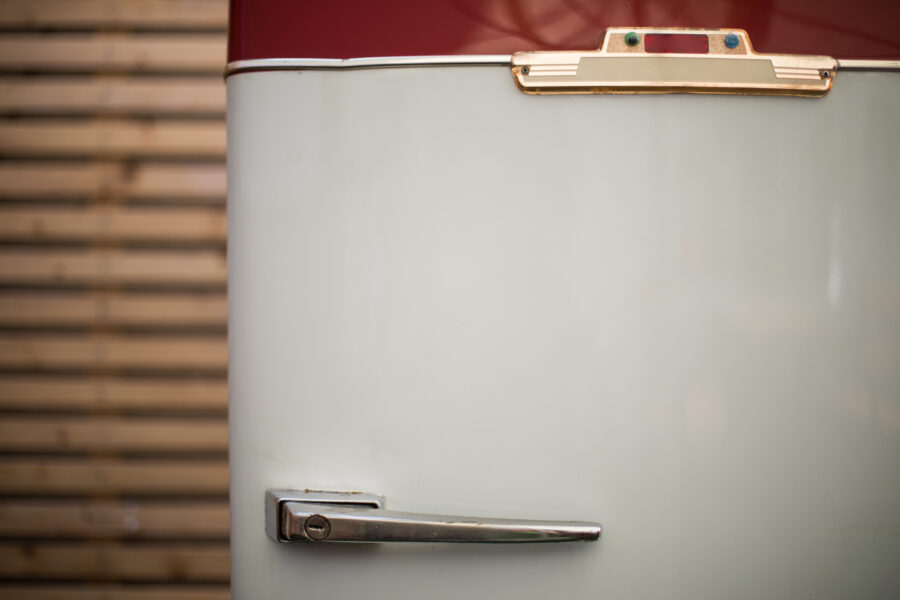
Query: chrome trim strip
point(279, 64)
point(502, 60)
point(868, 65)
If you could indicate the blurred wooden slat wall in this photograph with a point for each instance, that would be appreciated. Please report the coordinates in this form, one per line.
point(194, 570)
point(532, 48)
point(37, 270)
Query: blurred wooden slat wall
point(113, 407)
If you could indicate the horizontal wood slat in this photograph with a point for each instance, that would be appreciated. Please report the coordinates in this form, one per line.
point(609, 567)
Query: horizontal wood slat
point(142, 14)
point(113, 224)
point(107, 352)
point(125, 309)
point(114, 519)
point(110, 52)
point(99, 266)
point(144, 95)
point(113, 561)
point(76, 591)
point(18, 392)
point(66, 477)
point(21, 180)
point(43, 137)
point(112, 434)
point(65, 591)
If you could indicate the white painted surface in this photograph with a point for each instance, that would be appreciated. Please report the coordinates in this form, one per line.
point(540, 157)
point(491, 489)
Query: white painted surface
point(676, 315)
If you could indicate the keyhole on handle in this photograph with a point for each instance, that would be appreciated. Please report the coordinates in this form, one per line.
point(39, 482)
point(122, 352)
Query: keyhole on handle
point(317, 528)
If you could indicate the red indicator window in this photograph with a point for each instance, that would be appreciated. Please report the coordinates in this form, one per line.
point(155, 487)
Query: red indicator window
point(676, 43)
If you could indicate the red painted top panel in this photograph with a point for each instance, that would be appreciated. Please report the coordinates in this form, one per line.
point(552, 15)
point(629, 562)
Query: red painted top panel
point(364, 28)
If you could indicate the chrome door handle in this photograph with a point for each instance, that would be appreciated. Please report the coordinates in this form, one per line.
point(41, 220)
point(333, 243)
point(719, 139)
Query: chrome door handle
point(306, 516)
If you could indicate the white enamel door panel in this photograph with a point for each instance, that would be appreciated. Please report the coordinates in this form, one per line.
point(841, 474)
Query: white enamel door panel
point(678, 316)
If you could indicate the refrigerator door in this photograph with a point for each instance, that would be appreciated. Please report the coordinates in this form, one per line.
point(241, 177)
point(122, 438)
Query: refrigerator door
point(675, 315)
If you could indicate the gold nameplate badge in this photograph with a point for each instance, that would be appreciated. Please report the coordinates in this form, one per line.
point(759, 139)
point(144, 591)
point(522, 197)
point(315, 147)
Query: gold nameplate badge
point(700, 61)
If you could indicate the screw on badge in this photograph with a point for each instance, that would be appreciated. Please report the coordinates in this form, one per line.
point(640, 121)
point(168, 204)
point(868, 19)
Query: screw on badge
point(732, 40)
point(632, 38)
point(317, 528)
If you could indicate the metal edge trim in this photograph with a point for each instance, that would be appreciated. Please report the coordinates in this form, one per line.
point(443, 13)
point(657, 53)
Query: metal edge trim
point(868, 65)
point(281, 64)
point(502, 60)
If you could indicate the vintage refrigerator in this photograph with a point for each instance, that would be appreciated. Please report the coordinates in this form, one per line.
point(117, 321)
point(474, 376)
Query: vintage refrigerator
point(620, 276)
